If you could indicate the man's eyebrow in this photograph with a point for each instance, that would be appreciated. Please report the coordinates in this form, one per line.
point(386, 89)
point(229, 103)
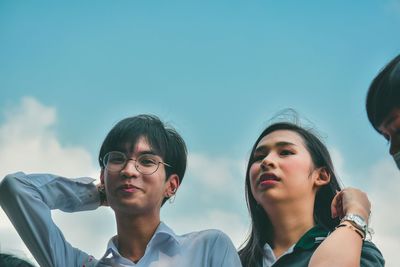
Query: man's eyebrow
point(143, 152)
point(277, 144)
point(148, 152)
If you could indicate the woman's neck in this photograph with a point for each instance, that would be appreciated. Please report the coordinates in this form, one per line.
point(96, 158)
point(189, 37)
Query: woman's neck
point(290, 222)
point(134, 233)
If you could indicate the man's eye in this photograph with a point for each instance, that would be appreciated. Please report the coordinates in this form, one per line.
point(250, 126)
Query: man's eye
point(146, 161)
point(117, 160)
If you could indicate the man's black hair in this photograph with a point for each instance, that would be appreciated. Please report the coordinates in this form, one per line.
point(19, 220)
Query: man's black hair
point(384, 93)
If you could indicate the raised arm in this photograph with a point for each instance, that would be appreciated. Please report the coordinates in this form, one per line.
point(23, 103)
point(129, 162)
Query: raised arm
point(345, 246)
point(28, 199)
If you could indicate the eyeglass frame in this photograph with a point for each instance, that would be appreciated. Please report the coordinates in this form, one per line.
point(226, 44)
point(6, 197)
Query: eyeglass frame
point(127, 159)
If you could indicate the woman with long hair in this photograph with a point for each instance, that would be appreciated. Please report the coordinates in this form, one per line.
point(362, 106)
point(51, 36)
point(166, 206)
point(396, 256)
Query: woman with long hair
point(290, 187)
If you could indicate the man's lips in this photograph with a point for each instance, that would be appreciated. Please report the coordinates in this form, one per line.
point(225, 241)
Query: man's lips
point(129, 188)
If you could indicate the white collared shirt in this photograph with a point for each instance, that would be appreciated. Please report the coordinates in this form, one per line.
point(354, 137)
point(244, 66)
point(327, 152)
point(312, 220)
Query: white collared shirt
point(269, 256)
point(204, 248)
point(28, 199)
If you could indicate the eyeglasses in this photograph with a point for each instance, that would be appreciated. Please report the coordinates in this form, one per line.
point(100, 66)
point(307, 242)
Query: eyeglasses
point(116, 161)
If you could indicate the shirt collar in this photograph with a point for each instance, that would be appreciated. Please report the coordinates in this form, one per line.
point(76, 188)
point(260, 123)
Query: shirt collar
point(269, 257)
point(311, 238)
point(162, 233)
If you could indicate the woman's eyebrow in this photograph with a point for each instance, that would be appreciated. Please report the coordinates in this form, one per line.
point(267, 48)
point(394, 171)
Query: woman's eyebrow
point(284, 143)
point(277, 144)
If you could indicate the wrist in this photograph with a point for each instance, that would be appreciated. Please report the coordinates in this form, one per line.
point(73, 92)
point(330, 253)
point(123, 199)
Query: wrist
point(360, 211)
point(350, 226)
point(356, 221)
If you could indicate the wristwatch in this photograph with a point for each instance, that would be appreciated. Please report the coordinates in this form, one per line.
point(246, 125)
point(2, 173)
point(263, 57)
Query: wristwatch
point(357, 221)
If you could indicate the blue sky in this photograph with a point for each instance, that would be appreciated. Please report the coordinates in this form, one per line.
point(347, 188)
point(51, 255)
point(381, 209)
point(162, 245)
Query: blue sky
point(216, 70)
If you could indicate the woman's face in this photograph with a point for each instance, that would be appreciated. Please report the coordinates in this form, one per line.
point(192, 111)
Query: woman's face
point(282, 169)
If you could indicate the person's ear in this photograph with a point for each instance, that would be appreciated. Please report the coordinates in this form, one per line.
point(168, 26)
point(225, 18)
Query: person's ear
point(102, 176)
point(322, 177)
point(172, 185)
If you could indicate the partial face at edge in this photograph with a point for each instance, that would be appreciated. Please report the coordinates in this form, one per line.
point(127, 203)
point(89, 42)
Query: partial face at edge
point(390, 129)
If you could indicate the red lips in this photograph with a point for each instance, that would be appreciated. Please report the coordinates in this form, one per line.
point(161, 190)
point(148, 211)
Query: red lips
point(268, 177)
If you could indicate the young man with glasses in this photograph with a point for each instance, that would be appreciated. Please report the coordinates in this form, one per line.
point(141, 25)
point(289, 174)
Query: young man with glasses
point(383, 106)
point(142, 165)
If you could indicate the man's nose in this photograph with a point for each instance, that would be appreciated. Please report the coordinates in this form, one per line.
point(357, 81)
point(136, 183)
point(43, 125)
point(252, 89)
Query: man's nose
point(129, 169)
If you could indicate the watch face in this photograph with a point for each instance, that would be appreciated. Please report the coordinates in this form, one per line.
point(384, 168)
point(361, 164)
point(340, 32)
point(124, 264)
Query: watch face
point(359, 220)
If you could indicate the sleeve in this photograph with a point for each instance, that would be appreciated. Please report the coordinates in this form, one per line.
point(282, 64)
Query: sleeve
point(224, 253)
point(28, 199)
point(371, 256)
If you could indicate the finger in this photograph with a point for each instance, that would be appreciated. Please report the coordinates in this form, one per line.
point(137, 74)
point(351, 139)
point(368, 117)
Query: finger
point(334, 205)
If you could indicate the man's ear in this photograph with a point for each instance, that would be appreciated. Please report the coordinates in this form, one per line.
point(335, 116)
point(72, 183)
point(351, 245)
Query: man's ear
point(102, 176)
point(172, 185)
point(323, 177)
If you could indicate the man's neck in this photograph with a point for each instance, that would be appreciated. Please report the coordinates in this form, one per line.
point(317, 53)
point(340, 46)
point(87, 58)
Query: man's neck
point(134, 233)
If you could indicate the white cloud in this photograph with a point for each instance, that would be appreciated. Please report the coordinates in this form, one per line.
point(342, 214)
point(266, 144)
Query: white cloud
point(215, 180)
point(211, 197)
point(29, 143)
point(382, 184)
point(338, 162)
point(385, 195)
point(215, 172)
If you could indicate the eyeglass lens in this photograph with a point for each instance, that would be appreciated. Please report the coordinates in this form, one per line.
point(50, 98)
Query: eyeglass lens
point(115, 161)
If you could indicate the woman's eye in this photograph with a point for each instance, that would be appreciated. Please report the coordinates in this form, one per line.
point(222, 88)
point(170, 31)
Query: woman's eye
point(258, 158)
point(286, 152)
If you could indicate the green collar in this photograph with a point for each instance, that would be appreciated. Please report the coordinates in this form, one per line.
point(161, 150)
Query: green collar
point(311, 238)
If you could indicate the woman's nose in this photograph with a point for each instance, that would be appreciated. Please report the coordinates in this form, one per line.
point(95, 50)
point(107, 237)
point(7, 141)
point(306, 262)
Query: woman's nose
point(268, 161)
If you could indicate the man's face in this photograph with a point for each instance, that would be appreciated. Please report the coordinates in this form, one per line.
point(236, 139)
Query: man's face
point(390, 129)
point(131, 192)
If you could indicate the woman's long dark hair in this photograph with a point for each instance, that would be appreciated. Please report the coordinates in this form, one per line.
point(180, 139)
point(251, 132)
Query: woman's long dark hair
point(251, 253)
